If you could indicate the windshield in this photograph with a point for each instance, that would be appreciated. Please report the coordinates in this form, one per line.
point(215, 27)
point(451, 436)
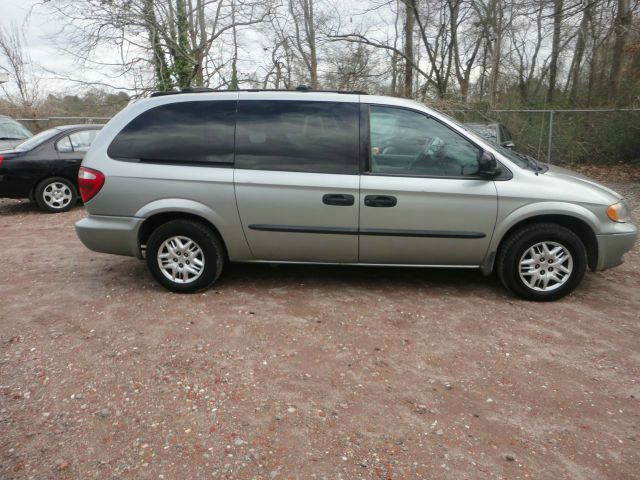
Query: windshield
point(520, 159)
point(489, 132)
point(38, 139)
point(12, 130)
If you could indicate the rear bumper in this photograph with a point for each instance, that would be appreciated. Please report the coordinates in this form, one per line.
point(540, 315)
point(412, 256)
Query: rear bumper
point(612, 247)
point(115, 235)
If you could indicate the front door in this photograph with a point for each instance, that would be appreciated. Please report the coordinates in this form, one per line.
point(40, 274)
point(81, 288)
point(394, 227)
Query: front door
point(296, 178)
point(422, 202)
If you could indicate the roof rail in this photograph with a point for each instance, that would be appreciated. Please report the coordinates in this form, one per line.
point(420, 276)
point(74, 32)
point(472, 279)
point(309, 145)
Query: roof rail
point(301, 88)
point(184, 90)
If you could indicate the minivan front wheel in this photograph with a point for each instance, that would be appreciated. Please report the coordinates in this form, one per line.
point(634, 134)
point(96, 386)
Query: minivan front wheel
point(542, 262)
point(184, 256)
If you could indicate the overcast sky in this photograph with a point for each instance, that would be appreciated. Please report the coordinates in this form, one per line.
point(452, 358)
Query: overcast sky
point(38, 29)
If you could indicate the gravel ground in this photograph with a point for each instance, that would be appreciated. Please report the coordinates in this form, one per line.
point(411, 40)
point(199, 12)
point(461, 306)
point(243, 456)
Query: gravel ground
point(307, 372)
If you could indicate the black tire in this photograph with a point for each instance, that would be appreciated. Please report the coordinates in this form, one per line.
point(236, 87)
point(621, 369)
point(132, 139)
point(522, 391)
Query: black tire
point(47, 203)
point(203, 237)
point(519, 242)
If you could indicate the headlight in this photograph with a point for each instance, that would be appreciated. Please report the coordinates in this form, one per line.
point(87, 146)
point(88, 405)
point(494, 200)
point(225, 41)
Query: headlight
point(619, 212)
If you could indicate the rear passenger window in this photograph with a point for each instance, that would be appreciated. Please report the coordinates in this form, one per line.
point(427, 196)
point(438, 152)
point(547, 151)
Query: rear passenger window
point(184, 132)
point(303, 136)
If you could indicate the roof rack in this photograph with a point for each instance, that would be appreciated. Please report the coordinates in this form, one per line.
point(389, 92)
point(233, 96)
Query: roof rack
point(301, 88)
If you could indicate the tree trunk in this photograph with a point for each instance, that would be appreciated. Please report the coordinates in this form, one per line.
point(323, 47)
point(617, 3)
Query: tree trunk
point(395, 59)
point(311, 38)
point(495, 69)
point(579, 53)
point(409, 24)
point(622, 25)
point(183, 61)
point(555, 48)
point(305, 41)
point(160, 68)
point(234, 84)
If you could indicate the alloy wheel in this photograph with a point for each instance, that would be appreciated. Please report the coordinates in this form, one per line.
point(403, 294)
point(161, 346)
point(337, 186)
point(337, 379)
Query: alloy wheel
point(180, 259)
point(545, 266)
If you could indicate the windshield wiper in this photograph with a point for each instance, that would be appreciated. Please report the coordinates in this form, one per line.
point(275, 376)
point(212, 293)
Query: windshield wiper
point(533, 163)
point(11, 138)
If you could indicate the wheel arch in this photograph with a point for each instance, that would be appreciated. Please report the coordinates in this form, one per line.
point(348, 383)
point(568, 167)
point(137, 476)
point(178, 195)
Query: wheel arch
point(581, 224)
point(37, 181)
point(150, 224)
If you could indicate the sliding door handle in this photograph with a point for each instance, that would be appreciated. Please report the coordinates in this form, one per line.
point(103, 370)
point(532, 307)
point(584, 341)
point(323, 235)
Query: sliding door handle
point(380, 201)
point(338, 199)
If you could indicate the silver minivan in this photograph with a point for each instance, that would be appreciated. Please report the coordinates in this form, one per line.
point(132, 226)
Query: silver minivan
point(191, 180)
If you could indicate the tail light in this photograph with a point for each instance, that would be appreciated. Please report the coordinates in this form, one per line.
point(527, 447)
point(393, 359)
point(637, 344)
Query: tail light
point(1, 160)
point(90, 182)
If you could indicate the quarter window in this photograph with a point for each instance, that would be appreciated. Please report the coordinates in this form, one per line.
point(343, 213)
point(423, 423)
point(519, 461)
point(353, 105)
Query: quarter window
point(184, 132)
point(404, 142)
point(302, 136)
point(64, 145)
point(82, 140)
point(77, 141)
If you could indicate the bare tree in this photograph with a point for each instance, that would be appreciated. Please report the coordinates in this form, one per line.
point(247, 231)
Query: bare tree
point(23, 90)
point(305, 24)
point(526, 45)
point(581, 43)
point(622, 24)
point(350, 68)
point(181, 36)
point(409, 23)
point(493, 51)
point(555, 47)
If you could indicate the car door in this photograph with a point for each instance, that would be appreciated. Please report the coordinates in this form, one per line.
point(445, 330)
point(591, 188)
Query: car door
point(296, 177)
point(71, 150)
point(421, 200)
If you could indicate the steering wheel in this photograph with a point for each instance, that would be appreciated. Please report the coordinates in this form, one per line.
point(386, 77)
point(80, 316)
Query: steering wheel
point(424, 154)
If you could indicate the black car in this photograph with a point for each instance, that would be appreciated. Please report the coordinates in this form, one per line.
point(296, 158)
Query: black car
point(44, 168)
point(496, 132)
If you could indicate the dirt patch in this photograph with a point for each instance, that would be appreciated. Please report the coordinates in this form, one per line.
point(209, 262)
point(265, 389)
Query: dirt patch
point(307, 372)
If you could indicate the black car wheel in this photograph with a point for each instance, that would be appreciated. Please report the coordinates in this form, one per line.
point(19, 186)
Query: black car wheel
point(184, 256)
point(56, 194)
point(542, 262)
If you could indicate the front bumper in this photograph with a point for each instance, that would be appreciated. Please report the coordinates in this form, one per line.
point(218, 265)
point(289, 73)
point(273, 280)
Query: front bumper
point(115, 235)
point(612, 247)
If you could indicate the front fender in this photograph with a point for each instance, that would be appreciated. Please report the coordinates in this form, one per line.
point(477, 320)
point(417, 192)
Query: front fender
point(529, 211)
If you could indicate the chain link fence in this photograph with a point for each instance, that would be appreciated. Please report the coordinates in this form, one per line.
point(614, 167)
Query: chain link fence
point(600, 136)
point(37, 125)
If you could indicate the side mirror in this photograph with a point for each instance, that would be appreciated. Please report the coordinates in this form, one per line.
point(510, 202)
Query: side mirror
point(488, 165)
point(508, 144)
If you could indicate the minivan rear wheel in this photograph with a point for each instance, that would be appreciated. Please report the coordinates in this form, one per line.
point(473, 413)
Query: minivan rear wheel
point(542, 262)
point(184, 256)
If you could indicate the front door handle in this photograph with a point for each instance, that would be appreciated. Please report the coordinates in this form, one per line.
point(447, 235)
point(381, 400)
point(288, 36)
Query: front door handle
point(380, 201)
point(338, 199)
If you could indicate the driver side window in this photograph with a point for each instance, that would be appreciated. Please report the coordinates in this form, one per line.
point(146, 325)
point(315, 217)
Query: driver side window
point(404, 142)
